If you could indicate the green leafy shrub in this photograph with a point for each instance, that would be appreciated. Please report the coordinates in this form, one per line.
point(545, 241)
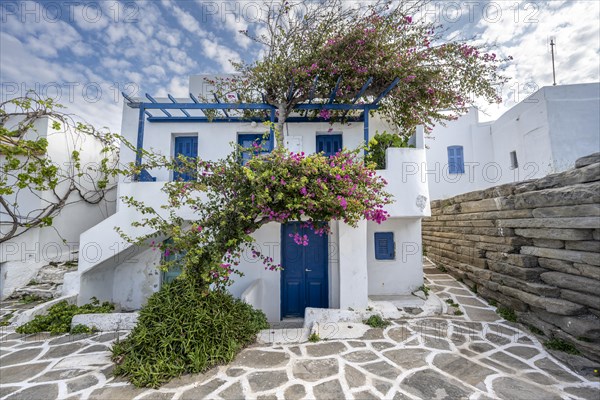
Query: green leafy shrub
point(5, 321)
point(535, 330)
point(561, 345)
point(375, 321)
point(183, 329)
point(380, 143)
point(492, 302)
point(507, 314)
point(81, 328)
point(58, 319)
point(424, 289)
point(30, 298)
point(314, 338)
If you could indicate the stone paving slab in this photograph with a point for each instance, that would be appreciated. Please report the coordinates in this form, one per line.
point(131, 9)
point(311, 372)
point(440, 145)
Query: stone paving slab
point(476, 355)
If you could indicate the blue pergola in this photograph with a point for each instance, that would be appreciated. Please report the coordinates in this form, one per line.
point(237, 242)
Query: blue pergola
point(269, 110)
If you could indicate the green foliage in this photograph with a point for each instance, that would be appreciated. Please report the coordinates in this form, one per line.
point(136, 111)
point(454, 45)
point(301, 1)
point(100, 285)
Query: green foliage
point(535, 330)
point(507, 313)
point(424, 289)
point(30, 298)
point(380, 143)
point(231, 201)
point(379, 40)
point(442, 268)
point(27, 165)
point(458, 312)
point(185, 330)
point(375, 321)
point(561, 345)
point(5, 321)
point(492, 302)
point(81, 328)
point(451, 302)
point(58, 319)
point(474, 288)
point(314, 338)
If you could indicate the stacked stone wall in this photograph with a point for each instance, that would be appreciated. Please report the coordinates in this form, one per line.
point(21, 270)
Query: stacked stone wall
point(533, 247)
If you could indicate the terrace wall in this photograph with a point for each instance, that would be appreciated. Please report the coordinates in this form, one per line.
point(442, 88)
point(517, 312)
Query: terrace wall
point(533, 247)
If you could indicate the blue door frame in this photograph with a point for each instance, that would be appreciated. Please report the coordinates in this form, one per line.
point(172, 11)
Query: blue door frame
point(304, 278)
point(188, 147)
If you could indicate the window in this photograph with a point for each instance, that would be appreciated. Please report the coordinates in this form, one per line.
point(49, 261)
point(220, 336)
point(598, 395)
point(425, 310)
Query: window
point(514, 163)
point(329, 144)
point(384, 246)
point(186, 146)
point(456, 162)
point(173, 272)
point(247, 140)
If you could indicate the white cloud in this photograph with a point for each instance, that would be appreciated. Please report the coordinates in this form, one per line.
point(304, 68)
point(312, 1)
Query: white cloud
point(221, 54)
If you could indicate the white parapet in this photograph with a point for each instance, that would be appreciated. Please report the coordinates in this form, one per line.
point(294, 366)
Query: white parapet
point(407, 182)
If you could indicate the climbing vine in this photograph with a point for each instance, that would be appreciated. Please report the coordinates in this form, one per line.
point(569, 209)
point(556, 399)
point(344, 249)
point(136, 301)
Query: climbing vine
point(36, 181)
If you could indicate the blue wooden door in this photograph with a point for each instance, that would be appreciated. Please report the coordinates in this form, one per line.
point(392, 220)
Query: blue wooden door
point(187, 146)
point(304, 276)
point(329, 144)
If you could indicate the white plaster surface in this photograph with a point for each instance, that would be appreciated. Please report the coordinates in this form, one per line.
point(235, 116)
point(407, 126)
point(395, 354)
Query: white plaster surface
point(549, 130)
point(108, 322)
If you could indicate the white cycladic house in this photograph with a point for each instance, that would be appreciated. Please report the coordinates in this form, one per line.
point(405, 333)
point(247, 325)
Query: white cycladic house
point(336, 271)
point(543, 134)
point(22, 256)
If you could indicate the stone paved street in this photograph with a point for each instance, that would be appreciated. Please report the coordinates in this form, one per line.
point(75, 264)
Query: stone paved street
point(476, 355)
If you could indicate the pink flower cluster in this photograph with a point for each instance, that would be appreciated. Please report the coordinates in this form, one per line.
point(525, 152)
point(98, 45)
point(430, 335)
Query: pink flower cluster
point(299, 239)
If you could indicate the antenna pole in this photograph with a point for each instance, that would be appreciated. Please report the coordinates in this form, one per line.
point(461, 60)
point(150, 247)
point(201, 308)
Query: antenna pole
point(552, 44)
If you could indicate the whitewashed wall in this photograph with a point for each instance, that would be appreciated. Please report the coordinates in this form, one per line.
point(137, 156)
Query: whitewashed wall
point(23, 256)
point(404, 273)
point(128, 276)
point(549, 130)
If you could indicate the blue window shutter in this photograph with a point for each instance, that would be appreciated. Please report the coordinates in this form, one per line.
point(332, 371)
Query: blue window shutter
point(247, 139)
point(384, 246)
point(329, 144)
point(188, 147)
point(456, 162)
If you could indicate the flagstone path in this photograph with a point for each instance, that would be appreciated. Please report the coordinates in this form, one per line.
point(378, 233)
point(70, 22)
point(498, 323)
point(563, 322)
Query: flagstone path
point(476, 355)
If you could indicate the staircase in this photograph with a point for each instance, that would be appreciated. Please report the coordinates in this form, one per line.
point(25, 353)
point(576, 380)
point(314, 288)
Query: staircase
point(48, 282)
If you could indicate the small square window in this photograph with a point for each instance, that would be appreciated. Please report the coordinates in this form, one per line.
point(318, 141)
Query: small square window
point(247, 140)
point(514, 163)
point(384, 246)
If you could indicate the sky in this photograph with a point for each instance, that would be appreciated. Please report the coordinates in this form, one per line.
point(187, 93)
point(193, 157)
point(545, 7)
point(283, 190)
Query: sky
point(84, 53)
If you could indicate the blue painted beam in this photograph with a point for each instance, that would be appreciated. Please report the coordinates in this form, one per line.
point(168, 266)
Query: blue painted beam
point(187, 114)
point(334, 92)
point(250, 106)
point(362, 90)
point(366, 128)
point(194, 99)
point(130, 101)
point(240, 119)
point(386, 91)
point(360, 93)
point(217, 100)
point(168, 114)
point(207, 106)
point(140, 139)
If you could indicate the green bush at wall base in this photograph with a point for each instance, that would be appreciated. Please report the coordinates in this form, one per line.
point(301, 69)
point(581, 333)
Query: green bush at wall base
point(59, 316)
point(181, 330)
